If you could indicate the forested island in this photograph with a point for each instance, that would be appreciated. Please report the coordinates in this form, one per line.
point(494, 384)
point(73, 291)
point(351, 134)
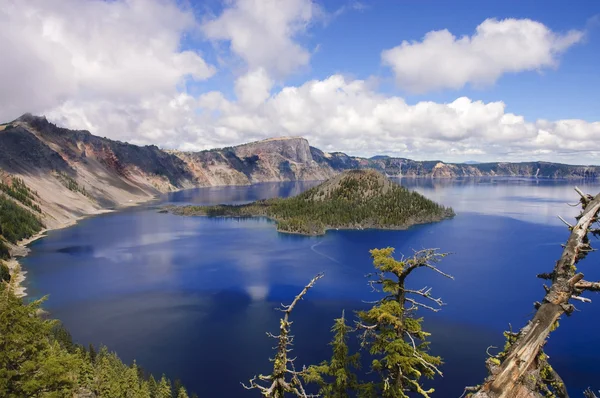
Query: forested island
point(355, 199)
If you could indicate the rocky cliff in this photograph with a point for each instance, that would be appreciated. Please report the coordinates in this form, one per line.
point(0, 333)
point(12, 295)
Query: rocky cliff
point(77, 173)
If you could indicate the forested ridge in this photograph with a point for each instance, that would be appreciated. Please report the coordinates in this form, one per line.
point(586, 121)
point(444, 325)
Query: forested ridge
point(356, 199)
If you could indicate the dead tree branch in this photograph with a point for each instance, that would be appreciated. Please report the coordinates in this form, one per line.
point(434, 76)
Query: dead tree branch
point(522, 370)
point(283, 366)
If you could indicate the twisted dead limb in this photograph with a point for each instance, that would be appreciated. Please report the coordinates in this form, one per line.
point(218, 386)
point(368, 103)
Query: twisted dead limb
point(283, 367)
point(522, 370)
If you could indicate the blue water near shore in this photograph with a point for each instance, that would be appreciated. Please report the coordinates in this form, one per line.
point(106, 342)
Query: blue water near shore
point(192, 297)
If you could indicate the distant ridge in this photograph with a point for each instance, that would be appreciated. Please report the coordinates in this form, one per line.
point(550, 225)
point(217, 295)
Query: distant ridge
point(77, 173)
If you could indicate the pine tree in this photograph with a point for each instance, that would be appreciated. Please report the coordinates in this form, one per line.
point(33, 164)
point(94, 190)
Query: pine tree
point(145, 390)
point(153, 386)
point(30, 362)
point(131, 382)
point(92, 353)
point(182, 393)
point(335, 377)
point(164, 388)
point(86, 370)
point(390, 329)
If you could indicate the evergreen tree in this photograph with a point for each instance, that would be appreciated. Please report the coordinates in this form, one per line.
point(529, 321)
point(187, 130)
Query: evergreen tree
point(30, 362)
point(38, 359)
point(335, 377)
point(4, 273)
point(153, 386)
point(131, 382)
point(176, 387)
point(145, 390)
point(182, 393)
point(390, 329)
point(92, 353)
point(86, 370)
point(164, 388)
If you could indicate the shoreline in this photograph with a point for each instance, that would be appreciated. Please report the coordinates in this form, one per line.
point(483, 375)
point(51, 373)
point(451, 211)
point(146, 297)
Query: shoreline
point(167, 209)
point(21, 249)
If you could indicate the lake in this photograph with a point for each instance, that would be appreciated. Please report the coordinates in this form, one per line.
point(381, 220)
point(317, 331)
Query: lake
point(194, 297)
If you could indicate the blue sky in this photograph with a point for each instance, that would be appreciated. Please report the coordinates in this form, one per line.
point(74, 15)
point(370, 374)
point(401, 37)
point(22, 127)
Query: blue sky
point(351, 44)
point(451, 80)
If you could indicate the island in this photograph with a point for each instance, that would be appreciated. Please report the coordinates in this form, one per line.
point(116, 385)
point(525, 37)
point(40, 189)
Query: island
point(354, 199)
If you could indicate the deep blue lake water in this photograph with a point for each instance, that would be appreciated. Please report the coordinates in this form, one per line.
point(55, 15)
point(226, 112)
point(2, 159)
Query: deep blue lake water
point(193, 297)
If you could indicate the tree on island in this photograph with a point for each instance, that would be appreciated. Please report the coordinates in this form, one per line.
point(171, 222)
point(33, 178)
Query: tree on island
point(522, 369)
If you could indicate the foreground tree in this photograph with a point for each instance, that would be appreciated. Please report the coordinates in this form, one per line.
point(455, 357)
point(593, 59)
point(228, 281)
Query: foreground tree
point(335, 377)
point(284, 378)
point(522, 369)
point(392, 332)
point(31, 363)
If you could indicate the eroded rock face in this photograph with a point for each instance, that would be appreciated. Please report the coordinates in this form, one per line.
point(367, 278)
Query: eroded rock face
point(278, 159)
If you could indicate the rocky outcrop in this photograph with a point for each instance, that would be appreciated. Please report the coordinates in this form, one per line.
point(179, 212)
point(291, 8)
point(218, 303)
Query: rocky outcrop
point(276, 159)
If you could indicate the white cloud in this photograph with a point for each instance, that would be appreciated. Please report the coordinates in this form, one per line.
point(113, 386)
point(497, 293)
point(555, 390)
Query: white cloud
point(123, 51)
point(443, 61)
point(117, 69)
point(348, 115)
point(338, 114)
point(263, 32)
point(253, 88)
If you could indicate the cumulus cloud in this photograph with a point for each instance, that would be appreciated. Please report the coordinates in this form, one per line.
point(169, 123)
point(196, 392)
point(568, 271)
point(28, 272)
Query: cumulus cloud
point(117, 68)
point(348, 115)
point(443, 61)
point(125, 52)
point(263, 32)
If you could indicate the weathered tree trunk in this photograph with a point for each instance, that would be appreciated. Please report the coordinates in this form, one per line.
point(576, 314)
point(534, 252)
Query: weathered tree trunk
point(519, 374)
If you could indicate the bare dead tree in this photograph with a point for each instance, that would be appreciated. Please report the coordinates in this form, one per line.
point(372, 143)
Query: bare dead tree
point(283, 366)
point(522, 369)
point(589, 393)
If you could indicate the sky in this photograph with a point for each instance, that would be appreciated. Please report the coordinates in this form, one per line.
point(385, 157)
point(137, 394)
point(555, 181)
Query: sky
point(429, 80)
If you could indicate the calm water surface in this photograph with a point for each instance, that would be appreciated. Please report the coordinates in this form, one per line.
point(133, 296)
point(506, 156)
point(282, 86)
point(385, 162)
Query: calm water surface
point(193, 297)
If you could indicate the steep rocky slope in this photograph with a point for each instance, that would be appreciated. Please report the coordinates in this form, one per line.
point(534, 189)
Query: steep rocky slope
point(76, 173)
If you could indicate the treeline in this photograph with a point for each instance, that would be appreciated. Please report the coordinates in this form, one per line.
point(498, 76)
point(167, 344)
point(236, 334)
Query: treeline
point(16, 222)
point(21, 192)
point(359, 199)
point(39, 359)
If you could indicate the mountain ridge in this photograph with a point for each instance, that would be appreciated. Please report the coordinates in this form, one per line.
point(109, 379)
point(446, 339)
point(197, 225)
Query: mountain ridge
point(78, 173)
